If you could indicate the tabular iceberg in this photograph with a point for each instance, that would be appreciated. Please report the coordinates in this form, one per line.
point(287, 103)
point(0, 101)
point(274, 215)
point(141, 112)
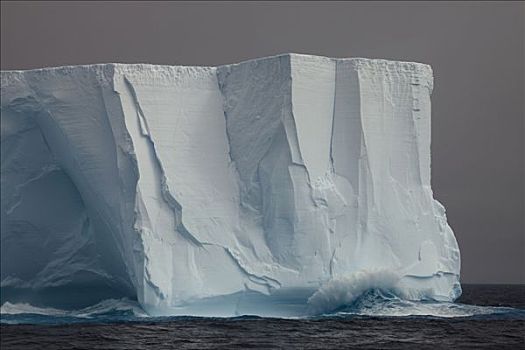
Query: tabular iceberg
point(277, 186)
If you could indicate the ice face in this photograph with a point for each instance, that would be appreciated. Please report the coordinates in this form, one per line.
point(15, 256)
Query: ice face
point(224, 190)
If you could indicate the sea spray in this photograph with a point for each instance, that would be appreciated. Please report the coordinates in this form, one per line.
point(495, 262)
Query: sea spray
point(345, 290)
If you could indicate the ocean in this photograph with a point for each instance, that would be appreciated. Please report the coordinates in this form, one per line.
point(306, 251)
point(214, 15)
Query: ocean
point(484, 317)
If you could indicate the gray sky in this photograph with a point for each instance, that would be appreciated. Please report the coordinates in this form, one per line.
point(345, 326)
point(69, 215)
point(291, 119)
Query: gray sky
point(475, 49)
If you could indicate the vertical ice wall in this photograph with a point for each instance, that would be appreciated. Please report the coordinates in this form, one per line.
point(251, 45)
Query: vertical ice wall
point(212, 191)
point(69, 160)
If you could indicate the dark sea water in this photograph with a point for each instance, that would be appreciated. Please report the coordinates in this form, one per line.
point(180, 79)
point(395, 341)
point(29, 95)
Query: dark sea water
point(485, 317)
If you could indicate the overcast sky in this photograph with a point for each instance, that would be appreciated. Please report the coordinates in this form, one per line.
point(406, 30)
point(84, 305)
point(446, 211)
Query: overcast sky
point(475, 49)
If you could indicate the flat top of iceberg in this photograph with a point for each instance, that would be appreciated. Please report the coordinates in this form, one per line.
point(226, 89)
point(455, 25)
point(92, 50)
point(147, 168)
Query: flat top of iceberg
point(407, 64)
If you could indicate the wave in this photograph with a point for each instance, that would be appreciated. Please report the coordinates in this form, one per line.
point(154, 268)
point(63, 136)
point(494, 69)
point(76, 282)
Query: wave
point(375, 293)
point(23, 308)
point(106, 310)
point(377, 303)
point(372, 293)
point(344, 291)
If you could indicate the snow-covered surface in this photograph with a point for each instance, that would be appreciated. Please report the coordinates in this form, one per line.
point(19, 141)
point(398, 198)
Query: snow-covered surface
point(219, 191)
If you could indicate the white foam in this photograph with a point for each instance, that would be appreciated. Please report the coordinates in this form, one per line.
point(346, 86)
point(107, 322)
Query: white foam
point(344, 291)
point(397, 307)
point(24, 308)
point(104, 307)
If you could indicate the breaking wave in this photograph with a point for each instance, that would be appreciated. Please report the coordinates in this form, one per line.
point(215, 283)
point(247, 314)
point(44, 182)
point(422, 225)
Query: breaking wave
point(374, 293)
point(344, 291)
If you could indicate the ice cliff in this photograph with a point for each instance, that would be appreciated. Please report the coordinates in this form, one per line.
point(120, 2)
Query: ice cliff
point(239, 189)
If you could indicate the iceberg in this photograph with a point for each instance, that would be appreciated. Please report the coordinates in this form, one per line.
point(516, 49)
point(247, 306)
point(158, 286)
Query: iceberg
point(252, 188)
